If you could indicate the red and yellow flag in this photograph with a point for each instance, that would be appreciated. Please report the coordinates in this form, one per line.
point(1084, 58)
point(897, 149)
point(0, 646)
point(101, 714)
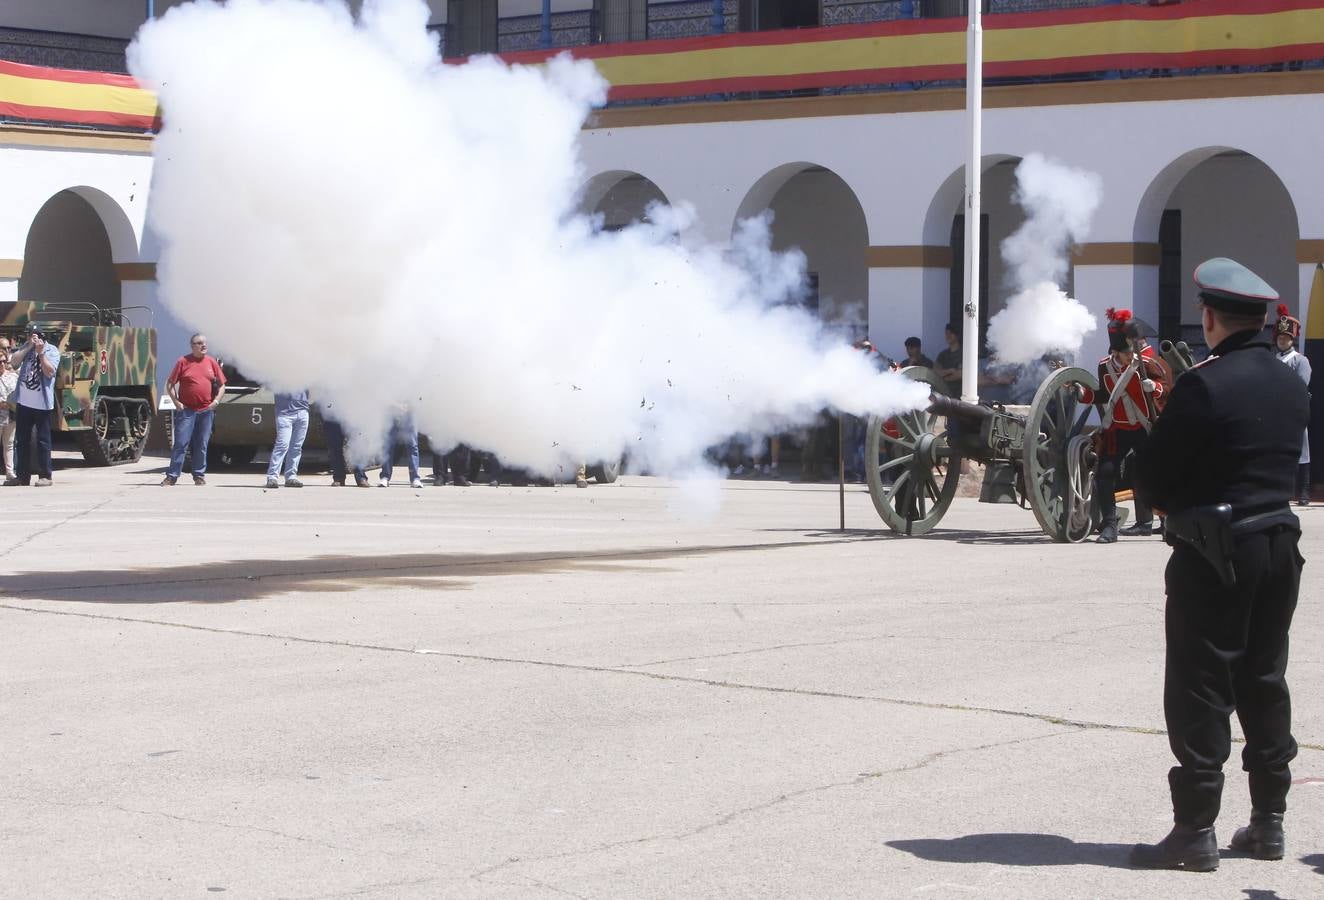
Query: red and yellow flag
point(1101, 38)
point(67, 95)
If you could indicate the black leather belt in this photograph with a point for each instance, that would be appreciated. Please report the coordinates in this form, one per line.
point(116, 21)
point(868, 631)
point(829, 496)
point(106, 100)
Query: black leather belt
point(1265, 521)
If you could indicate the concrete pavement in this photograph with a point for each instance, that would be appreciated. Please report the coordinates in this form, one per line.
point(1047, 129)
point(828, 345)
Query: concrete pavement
point(541, 692)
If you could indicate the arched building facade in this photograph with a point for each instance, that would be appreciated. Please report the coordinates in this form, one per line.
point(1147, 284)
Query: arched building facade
point(1191, 168)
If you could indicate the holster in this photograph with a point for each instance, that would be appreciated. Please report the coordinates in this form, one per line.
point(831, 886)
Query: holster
point(1211, 532)
point(1208, 531)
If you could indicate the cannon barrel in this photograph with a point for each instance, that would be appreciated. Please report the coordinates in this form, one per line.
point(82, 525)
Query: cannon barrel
point(953, 408)
point(1177, 356)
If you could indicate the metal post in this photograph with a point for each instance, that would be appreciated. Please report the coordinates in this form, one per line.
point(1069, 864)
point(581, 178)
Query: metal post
point(717, 24)
point(151, 9)
point(545, 35)
point(974, 171)
point(841, 470)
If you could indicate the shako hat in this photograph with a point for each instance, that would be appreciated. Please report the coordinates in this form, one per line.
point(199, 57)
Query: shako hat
point(1286, 324)
point(1119, 334)
point(1228, 285)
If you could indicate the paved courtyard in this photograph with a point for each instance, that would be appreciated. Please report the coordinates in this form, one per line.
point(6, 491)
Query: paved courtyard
point(549, 692)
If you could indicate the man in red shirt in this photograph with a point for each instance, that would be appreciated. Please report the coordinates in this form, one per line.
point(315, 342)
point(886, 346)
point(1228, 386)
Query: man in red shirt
point(196, 384)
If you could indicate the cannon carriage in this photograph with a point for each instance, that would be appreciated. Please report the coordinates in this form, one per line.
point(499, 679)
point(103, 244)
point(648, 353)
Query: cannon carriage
point(913, 460)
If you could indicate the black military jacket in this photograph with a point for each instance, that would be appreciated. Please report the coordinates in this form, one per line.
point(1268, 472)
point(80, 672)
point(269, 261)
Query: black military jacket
point(1231, 433)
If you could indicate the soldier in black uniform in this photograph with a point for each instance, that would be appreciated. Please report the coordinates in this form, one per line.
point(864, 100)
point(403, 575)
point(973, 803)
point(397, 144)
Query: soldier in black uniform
point(1219, 462)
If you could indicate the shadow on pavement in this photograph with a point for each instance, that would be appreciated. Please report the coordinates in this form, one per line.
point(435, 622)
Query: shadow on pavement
point(227, 581)
point(1016, 850)
point(1316, 860)
point(959, 536)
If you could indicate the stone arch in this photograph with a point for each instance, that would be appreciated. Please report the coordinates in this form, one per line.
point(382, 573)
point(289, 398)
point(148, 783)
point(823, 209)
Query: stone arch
point(816, 210)
point(943, 285)
point(620, 197)
point(1216, 201)
point(73, 243)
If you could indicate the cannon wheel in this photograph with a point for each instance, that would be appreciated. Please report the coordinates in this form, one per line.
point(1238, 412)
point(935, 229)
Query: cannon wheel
point(923, 467)
point(1058, 457)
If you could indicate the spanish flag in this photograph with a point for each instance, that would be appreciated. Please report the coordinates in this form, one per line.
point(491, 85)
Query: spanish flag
point(68, 95)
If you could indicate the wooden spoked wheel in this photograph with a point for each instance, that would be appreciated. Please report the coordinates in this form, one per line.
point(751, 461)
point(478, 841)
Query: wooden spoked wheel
point(911, 468)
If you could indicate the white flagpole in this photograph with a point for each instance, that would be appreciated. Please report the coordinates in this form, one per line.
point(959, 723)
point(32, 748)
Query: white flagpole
point(974, 107)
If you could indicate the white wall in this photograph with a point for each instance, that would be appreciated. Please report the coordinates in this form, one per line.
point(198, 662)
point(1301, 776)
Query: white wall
point(896, 164)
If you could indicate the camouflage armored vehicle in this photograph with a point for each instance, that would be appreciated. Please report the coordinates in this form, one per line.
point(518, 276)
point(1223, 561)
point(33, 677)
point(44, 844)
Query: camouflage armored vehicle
point(245, 422)
point(105, 388)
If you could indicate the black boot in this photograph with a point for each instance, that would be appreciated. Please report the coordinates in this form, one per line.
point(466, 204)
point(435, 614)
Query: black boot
point(1192, 849)
point(1262, 838)
point(1108, 533)
point(1303, 484)
point(1139, 529)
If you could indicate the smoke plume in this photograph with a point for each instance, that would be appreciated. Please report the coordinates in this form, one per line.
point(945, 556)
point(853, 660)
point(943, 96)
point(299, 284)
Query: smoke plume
point(1040, 318)
point(341, 211)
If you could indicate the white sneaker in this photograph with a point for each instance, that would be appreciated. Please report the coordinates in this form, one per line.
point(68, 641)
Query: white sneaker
point(416, 483)
point(272, 483)
point(384, 482)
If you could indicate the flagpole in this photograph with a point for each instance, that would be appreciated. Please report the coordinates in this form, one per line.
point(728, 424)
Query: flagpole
point(974, 107)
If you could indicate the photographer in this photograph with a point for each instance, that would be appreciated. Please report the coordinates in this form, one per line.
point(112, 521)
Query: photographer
point(36, 361)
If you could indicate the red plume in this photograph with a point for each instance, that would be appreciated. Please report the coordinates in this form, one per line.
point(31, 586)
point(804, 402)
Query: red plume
point(1283, 311)
point(1118, 317)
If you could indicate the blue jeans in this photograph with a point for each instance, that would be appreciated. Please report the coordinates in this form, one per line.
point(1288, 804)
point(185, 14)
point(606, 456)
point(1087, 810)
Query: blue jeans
point(407, 435)
point(291, 429)
point(192, 432)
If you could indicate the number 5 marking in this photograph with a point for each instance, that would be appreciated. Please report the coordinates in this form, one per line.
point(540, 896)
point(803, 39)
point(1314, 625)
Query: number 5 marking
point(257, 415)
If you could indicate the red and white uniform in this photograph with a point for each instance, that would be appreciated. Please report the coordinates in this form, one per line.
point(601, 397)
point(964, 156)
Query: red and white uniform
point(1127, 406)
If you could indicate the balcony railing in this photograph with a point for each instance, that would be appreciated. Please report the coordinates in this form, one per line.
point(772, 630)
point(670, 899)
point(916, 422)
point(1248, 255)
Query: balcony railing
point(63, 51)
point(1106, 40)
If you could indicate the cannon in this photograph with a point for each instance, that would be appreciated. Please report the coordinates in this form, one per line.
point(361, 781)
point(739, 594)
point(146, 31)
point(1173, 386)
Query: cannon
point(1048, 453)
point(1178, 356)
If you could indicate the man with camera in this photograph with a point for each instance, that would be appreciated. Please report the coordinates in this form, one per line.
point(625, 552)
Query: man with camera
point(196, 384)
point(36, 361)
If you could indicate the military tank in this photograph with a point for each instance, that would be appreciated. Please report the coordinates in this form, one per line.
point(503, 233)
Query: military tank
point(105, 387)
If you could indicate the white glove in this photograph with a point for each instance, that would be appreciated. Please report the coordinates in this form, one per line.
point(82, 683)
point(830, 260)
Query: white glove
point(1147, 385)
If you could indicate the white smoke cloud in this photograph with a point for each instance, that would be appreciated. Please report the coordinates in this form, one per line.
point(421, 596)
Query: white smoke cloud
point(340, 211)
point(1040, 318)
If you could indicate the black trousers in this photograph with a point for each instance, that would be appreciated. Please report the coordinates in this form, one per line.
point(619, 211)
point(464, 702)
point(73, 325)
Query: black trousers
point(334, 433)
point(1117, 443)
point(459, 460)
point(1227, 650)
point(26, 420)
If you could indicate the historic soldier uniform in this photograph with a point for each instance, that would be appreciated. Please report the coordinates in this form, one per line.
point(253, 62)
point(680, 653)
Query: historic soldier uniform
point(1219, 462)
point(1286, 333)
point(1131, 387)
